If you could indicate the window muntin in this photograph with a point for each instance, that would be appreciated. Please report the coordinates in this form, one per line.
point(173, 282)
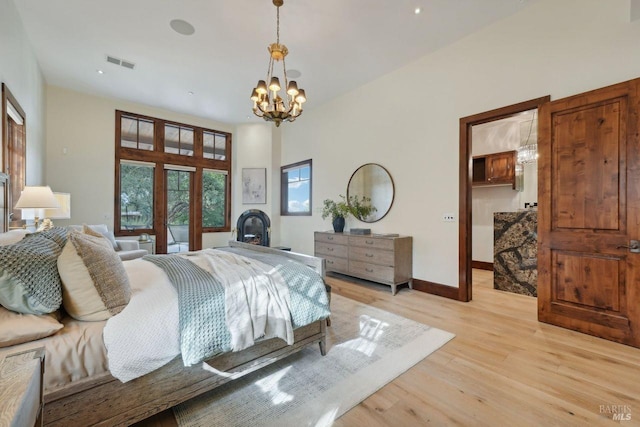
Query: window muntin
point(214, 198)
point(136, 195)
point(296, 188)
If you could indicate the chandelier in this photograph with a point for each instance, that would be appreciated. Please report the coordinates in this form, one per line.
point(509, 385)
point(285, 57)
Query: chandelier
point(267, 102)
point(528, 150)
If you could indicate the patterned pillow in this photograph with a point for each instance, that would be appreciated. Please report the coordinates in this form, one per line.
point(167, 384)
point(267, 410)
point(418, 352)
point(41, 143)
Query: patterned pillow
point(29, 279)
point(16, 328)
point(94, 282)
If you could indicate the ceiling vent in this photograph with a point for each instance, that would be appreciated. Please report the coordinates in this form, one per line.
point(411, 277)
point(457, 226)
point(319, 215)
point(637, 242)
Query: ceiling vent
point(122, 62)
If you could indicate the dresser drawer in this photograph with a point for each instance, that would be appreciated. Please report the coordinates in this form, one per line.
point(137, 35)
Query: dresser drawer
point(337, 264)
point(378, 273)
point(337, 239)
point(370, 255)
point(370, 242)
point(338, 251)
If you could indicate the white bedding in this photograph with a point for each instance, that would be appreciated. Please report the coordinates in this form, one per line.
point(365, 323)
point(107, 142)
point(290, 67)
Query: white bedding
point(145, 335)
point(256, 297)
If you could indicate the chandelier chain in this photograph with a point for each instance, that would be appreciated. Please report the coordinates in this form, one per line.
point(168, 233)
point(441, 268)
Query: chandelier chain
point(278, 25)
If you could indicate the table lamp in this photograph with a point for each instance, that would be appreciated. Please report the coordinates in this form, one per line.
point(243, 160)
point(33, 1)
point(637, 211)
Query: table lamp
point(36, 199)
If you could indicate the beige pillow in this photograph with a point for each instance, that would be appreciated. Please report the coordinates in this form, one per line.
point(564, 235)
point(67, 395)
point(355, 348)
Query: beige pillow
point(17, 328)
point(95, 285)
point(13, 236)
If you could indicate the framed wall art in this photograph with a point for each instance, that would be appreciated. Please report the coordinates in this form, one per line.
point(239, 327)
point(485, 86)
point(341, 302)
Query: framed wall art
point(254, 186)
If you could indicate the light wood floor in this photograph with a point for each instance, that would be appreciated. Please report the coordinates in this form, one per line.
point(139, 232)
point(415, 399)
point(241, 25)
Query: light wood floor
point(503, 368)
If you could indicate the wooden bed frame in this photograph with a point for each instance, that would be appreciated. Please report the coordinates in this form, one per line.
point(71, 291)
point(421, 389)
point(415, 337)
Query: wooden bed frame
point(105, 401)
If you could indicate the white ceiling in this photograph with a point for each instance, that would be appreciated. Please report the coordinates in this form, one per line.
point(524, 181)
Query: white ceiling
point(337, 45)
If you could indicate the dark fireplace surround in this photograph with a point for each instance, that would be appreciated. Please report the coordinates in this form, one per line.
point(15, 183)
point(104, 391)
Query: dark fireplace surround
point(253, 227)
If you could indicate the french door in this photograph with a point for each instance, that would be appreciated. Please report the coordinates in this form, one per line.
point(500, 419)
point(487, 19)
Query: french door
point(178, 209)
point(589, 213)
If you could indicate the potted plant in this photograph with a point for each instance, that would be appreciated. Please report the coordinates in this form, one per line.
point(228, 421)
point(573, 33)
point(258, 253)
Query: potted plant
point(338, 211)
point(361, 207)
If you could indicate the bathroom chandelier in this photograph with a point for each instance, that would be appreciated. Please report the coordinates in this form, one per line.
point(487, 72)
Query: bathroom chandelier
point(528, 151)
point(267, 102)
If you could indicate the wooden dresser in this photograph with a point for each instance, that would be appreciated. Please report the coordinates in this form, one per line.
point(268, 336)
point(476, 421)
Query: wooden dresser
point(379, 258)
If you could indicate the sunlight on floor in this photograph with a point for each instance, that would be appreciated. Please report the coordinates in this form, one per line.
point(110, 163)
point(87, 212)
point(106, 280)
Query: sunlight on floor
point(371, 330)
point(269, 386)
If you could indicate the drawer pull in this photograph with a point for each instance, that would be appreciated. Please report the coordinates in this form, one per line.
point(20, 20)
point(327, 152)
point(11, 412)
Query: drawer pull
point(329, 237)
point(369, 270)
point(369, 255)
point(369, 242)
point(330, 249)
point(329, 262)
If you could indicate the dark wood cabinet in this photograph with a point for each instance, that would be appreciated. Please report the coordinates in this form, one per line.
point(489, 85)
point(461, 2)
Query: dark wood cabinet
point(495, 169)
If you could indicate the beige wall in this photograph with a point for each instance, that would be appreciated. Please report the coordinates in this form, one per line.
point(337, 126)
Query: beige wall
point(258, 147)
point(408, 120)
point(19, 70)
point(81, 151)
point(81, 156)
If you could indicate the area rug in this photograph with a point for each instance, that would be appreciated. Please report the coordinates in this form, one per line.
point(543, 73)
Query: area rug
point(366, 349)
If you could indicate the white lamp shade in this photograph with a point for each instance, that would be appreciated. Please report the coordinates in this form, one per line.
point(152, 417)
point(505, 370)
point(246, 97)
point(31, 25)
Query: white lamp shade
point(37, 197)
point(64, 211)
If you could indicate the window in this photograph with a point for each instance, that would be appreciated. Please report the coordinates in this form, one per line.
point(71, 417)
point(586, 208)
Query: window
point(178, 140)
point(136, 133)
point(170, 173)
point(295, 189)
point(12, 156)
point(214, 200)
point(136, 195)
point(214, 146)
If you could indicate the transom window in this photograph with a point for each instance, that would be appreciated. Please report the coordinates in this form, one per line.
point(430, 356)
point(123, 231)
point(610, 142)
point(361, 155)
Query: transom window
point(136, 133)
point(178, 140)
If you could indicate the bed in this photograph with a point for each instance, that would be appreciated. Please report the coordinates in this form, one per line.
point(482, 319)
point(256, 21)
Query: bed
point(89, 393)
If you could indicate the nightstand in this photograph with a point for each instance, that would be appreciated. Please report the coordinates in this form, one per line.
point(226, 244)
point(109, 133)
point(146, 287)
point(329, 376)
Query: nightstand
point(21, 388)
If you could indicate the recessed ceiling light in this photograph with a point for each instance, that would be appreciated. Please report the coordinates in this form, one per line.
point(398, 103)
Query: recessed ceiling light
point(190, 92)
point(182, 27)
point(294, 74)
point(417, 11)
point(99, 71)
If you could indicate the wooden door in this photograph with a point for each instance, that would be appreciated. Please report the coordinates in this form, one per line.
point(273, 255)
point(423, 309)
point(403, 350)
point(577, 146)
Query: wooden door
point(589, 209)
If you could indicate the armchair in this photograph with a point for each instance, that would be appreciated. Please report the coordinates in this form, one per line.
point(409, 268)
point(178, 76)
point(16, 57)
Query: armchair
point(126, 249)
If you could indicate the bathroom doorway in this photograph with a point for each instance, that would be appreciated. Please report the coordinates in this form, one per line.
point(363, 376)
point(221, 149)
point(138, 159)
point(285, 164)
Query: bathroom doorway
point(504, 199)
point(500, 161)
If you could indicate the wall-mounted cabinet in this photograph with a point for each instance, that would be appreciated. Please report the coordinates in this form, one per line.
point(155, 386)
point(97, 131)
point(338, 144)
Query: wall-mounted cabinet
point(495, 169)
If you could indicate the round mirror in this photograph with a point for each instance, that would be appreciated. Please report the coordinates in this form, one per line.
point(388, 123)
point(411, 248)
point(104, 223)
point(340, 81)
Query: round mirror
point(373, 182)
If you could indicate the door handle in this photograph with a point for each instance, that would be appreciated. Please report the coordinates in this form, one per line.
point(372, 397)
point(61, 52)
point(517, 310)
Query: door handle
point(634, 246)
